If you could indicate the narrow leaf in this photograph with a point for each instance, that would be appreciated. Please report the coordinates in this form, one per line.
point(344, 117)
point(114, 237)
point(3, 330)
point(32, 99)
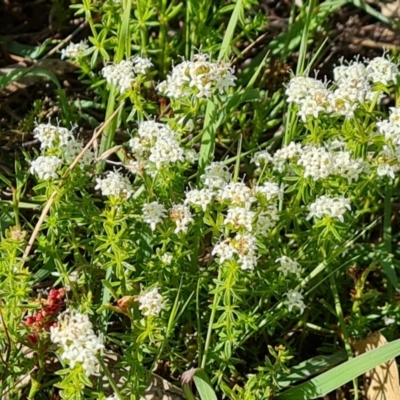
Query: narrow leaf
point(338, 376)
point(226, 43)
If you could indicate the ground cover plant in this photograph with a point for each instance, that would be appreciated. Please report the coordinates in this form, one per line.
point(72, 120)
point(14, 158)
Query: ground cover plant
point(237, 241)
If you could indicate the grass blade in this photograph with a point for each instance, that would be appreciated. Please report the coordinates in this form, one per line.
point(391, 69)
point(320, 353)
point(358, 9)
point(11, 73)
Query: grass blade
point(338, 376)
point(226, 43)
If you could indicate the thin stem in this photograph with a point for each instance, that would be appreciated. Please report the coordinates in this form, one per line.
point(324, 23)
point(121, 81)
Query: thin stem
point(110, 378)
point(214, 306)
point(387, 239)
point(339, 314)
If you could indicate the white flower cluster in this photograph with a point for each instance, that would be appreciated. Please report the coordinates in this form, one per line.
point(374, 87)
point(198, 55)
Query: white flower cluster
point(317, 162)
point(167, 258)
point(249, 212)
point(288, 266)
point(74, 50)
point(71, 151)
point(45, 167)
point(333, 207)
point(181, 215)
point(51, 136)
point(352, 87)
point(389, 158)
point(200, 198)
point(236, 193)
point(114, 184)
point(216, 175)
point(244, 245)
point(151, 302)
point(78, 342)
point(56, 139)
point(154, 213)
point(123, 74)
point(295, 299)
point(157, 146)
point(199, 78)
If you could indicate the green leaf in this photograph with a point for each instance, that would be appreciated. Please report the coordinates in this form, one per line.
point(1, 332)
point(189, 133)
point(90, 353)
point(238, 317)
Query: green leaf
point(338, 376)
point(226, 43)
point(11, 76)
point(311, 367)
point(24, 50)
point(124, 44)
point(203, 384)
point(208, 137)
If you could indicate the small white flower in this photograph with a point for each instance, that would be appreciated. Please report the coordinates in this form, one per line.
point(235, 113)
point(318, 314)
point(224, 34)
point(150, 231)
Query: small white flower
point(289, 152)
point(216, 175)
point(141, 65)
point(120, 75)
point(167, 258)
point(245, 244)
point(315, 103)
point(301, 87)
point(153, 130)
point(45, 167)
point(224, 250)
point(78, 342)
point(191, 156)
point(236, 193)
point(74, 50)
point(114, 184)
point(343, 104)
point(247, 262)
point(345, 166)
point(267, 219)
point(181, 215)
point(353, 75)
point(71, 151)
point(382, 70)
point(238, 218)
point(199, 197)
point(270, 190)
point(151, 303)
point(198, 78)
point(295, 299)
point(385, 169)
point(317, 162)
point(333, 207)
point(153, 213)
point(288, 266)
point(166, 151)
point(52, 136)
point(261, 157)
point(388, 320)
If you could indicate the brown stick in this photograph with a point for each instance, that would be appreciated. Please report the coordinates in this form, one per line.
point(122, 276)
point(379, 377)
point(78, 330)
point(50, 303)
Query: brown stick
point(50, 201)
point(66, 40)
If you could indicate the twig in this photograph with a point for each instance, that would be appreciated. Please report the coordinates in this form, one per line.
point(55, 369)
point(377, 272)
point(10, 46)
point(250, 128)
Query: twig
point(373, 44)
point(249, 47)
point(49, 203)
point(67, 39)
point(17, 382)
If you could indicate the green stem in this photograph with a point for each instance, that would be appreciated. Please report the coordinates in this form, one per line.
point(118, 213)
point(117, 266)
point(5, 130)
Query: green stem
point(109, 133)
point(339, 314)
point(387, 239)
point(214, 306)
point(110, 379)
